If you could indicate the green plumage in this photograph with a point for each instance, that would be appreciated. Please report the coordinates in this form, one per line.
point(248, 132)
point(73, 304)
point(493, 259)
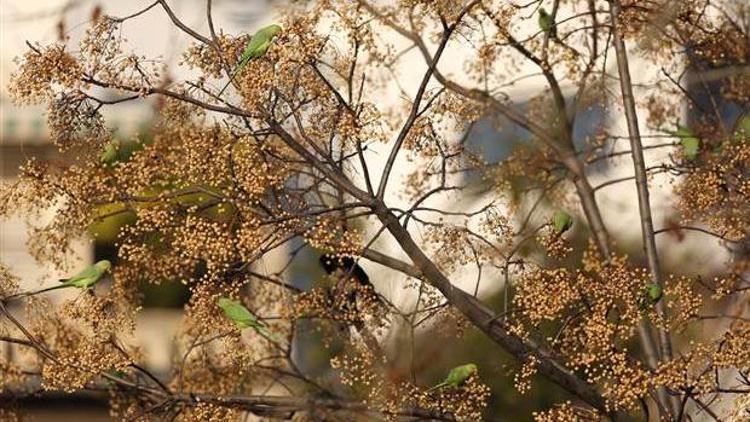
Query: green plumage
point(457, 376)
point(562, 222)
point(547, 23)
point(744, 125)
point(110, 153)
point(690, 143)
point(652, 294)
point(88, 276)
point(243, 318)
point(742, 129)
point(257, 47)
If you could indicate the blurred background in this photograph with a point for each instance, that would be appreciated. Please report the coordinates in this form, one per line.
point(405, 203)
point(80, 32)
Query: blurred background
point(23, 134)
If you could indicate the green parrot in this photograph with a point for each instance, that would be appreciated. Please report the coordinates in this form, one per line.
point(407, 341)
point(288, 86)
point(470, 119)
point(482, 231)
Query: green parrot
point(256, 48)
point(85, 279)
point(742, 129)
point(243, 318)
point(88, 276)
point(110, 153)
point(457, 376)
point(690, 143)
point(652, 293)
point(547, 23)
point(562, 222)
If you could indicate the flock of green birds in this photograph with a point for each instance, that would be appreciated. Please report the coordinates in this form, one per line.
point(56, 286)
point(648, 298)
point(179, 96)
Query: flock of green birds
point(256, 48)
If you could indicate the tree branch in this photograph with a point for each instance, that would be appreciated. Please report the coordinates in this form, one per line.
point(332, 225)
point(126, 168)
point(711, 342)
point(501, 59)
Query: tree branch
point(565, 153)
point(484, 319)
point(413, 113)
point(644, 204)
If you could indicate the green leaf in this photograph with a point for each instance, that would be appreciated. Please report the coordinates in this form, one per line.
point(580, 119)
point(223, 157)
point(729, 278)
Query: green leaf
point(691, 146)
point(650, 295)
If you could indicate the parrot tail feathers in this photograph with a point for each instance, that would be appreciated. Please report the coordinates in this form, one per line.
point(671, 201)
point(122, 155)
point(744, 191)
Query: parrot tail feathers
point(436, 387)
point(225, 86)
point(48, 289)
point(265, 332)
point(231, 79)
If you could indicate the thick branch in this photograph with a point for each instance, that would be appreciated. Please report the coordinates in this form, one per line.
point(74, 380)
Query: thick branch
point(276, 406)
point(483, 318)
point(414, 112)
point(644, 204)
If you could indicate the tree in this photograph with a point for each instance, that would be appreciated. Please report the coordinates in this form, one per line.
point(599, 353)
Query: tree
point(288, 153)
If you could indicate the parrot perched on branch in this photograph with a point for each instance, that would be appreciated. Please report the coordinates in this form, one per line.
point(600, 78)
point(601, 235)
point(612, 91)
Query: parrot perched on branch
point(690, 142)
point(85, 279)
point(88, 276)
point(457, 376)
point(547, 23)
point(256, 48)
point(652, 293)
point(110, 153)
point(243, 318)
point(562, 222)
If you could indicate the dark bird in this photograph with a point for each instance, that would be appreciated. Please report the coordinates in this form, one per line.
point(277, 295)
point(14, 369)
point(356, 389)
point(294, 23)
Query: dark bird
point(347, 270)
point(346, 264)
point(354, 293)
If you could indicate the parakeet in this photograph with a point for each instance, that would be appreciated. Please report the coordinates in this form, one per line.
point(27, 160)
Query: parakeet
point(243, 318)
point(110, 153)
point(690, 143)
point(652, 293)
point(547, 23)
point(742, 128)
point(457, 376)
point(562, 222)
point(87, 277)
point(257, 47)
